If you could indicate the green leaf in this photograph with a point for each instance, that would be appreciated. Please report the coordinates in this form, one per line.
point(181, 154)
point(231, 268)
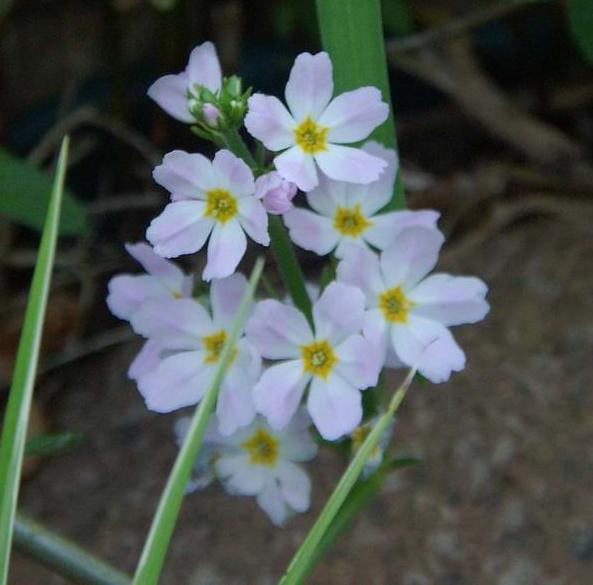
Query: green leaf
point(580, 16)
point(359, 498)
point(352, 34)
point(52, 444)
point(16, 419)
point(25, 193)
point(156, 545)
point(308, 554)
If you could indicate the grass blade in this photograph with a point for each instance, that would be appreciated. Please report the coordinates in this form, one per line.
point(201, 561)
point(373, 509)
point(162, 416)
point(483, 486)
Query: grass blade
point(306, 557)
point(16, 420)
point(352, 34)
point(156, 545)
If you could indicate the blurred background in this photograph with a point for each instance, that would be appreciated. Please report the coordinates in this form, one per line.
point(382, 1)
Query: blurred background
point(493, 104)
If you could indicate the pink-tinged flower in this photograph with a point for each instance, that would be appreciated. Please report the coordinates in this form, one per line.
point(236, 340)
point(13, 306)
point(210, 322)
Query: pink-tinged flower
point(410, 311)
point(164, 280)
point(275, 192)
point(176, 93)
point(213, 199)
point(333, 360)
point(344, 213)
point(192, 340)
point(313, 131)
point(262, 462)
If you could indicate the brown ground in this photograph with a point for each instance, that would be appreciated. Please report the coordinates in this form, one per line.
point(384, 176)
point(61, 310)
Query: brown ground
point(504, 497)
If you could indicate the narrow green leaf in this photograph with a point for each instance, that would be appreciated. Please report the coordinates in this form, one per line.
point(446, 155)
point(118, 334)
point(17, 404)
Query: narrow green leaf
point(156, 545)
point(580, 16)
point(307, 555)
point(52, 444)
point(62, 556)
point(25, 193)
point(352, 34)
point(16, 420)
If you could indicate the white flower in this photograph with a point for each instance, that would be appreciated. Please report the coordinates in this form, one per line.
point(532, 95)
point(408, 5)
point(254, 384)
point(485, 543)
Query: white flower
point(193, 340)
point(260, 461)
point(410, 312)
point(176, 93)
point(333, 358)
point(210, 200)
point(345, 213)
point(312, 134)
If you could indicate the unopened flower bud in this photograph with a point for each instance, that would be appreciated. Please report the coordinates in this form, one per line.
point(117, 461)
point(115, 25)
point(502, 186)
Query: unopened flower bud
point(275, 192)
point(211, 114)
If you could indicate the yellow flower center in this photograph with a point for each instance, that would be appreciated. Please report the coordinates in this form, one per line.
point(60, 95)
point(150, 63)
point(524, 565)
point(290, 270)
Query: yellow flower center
point(220, 205)
point(350, 221)
point(310, 136)
point(359, 435)
point(318, 358)
point(213, 345)
point(395, 305)
point(262, 448)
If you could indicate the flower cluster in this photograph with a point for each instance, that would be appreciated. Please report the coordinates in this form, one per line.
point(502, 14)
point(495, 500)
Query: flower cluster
point(291, 374)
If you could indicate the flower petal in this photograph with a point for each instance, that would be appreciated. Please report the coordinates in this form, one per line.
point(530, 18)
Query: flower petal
point(271, 502)
point(239, 476)
point(343, 163)
point(353, 115)
point(335, 407)
point(233, 174)
point(204, 68)
point(450, 300)
point(170, 93)
point(179, 380)
point(296, 441)
point(146, 360)
point(386, 226)
point(278, 392)
point(311, 231)
point(378, 193)
point(127, 293)
point(174, 323)
point(254, 220)
point(310, 85)
point(295, 485)
point(186, 175)
point(339, 312)
point(429, 346)
point(278, 330)
point(298, 167)
point(225, 298)
point(270, 122)
point(179, 229)
point(359, 361)
point(166, 272)
point(361, 268)
point(411, 256)
point(328, 196)
point(235, 408)
point(226, 247)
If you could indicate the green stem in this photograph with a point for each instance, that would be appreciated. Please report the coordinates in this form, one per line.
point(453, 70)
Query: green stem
point(289, 267)
point(156, 545)
point(62, 556)
point(284, 254)
point(306, 556)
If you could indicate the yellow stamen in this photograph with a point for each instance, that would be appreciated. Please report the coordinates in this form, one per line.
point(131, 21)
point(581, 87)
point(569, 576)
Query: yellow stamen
point(350, 221)
point(220, 205)
point(318, 358)
point(262, 448)
point(213, 345)
point(310, 136)
point(395, 305)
